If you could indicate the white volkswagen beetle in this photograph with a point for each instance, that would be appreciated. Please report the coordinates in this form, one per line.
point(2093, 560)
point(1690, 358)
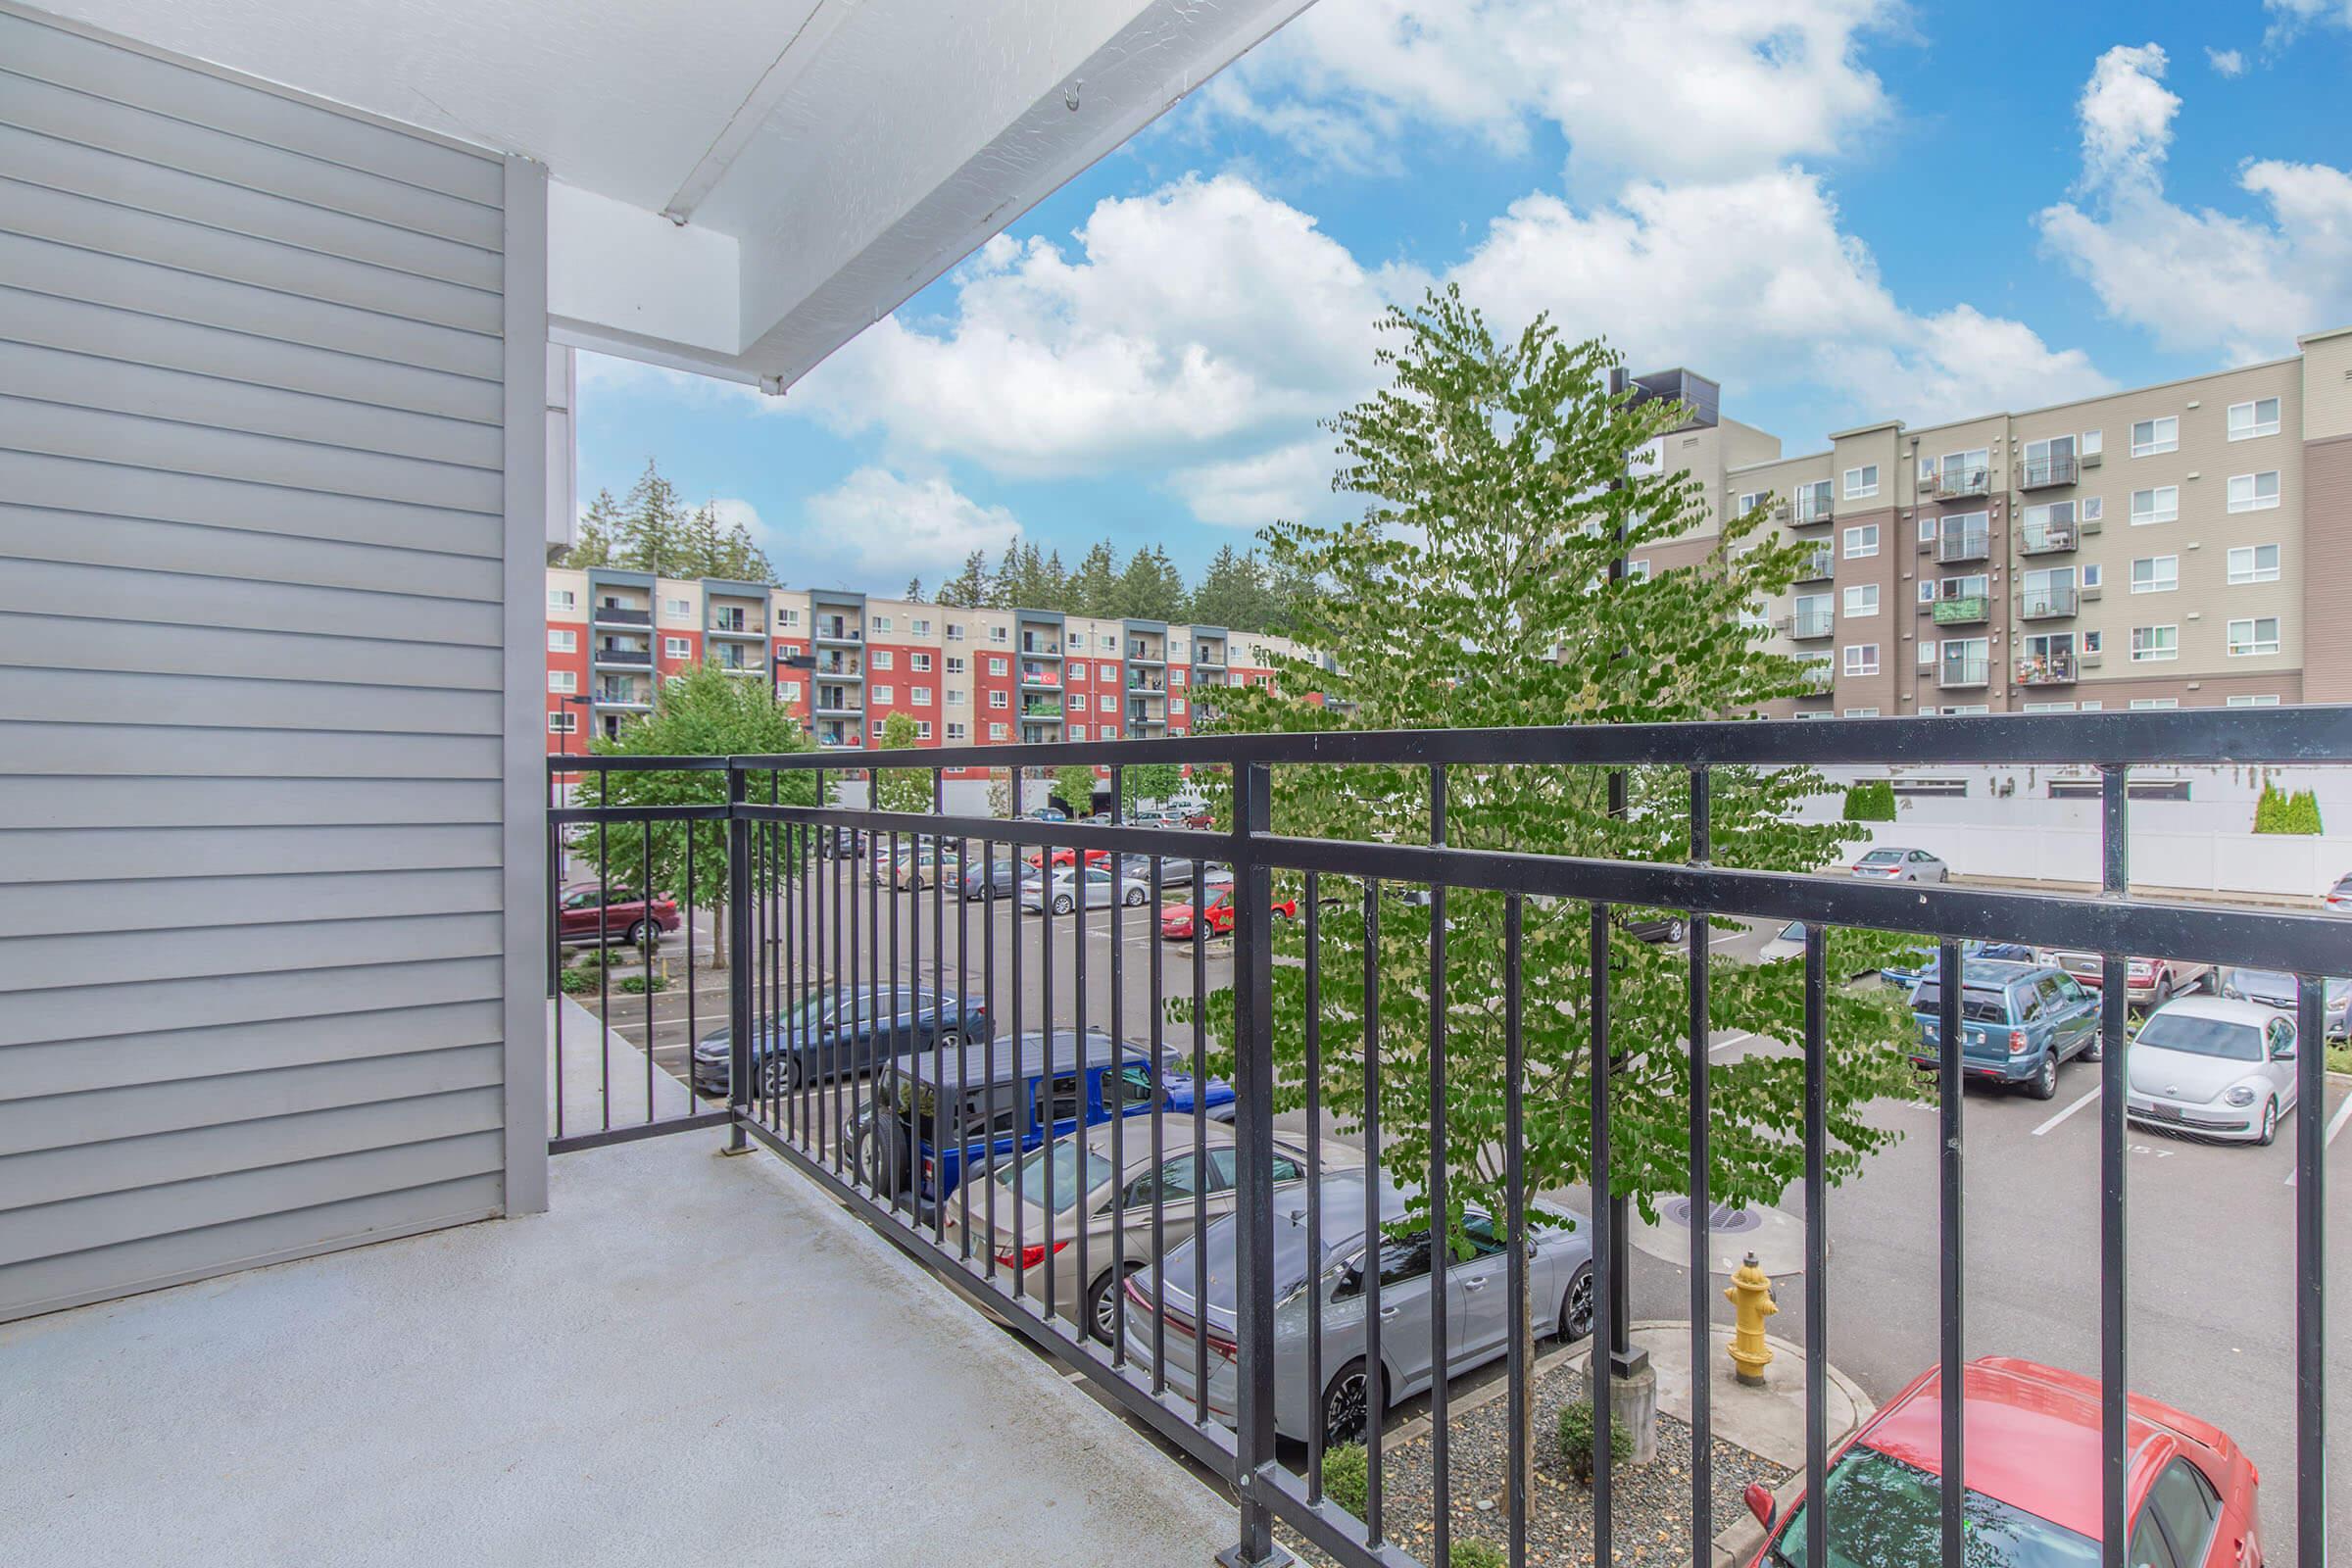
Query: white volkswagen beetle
point(2214, 1067)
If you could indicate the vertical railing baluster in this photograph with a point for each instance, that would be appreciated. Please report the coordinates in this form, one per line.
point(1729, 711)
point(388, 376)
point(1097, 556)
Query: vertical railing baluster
point(1514, 1179)
point(1817, 1242)
point(1158, 977)
point(1606, 1300)
point(555, 943)
point(739, 956)
point(1702, 1236)
point(1048, 1121)
point(1025, 1099)
point(1078, 1135)
point(877, 1072)
point(1441, 1236)
point(1254, 1140)
point(604, 953)
point(1200, 1125)
point(1375, 1380)
point(1314, 1180)
point(756, 916)
point(939, 1004)
point(838, 988)
point(1950, 1043)
point(988, 1048)
point(889, 1044)
point(2115, 882)
point(1118, 1079)
point(2311, 1272)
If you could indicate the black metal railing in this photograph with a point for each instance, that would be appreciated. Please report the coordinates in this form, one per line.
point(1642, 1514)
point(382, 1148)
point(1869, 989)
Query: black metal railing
point(902, 1033)
point(2042, 473)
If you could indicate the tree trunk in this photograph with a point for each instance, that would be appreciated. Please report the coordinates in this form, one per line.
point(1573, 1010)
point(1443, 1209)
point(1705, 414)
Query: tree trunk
point(718, 935)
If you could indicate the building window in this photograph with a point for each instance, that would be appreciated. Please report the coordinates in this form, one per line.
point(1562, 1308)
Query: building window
point(922, 664)
point(1927, 530)
point(2254, 563)
point(1175, 708)
point(955, 631)
point(999, 699)
point(1862, 482)
point(1077, 673)
point(2154, 705)
point(919, 626)
point(2091, 641)
point(1110, 641)
point(922, 729)
point(878, 728)
point(788, 691)
point(881, 659)
point(997, 634)
point(563, 642)
point(996, 732)
point(920, 696)
point(678, 609)
point(886, 695)
point(2254, 491)
point(1108, 703)
point(1926, 653)
point(788, 617)
point(2151, 436)
point(1638, 570)
point(878, 623)
point(957, 697)
point(677, 647)
point(2049, 707)
point(562, 680)
point(955, 664)
point(1862, 541)
point(1107, 671)
point(2160, 505)
point(2094, 508)
point(954, 730)
point(1926, 590)
point(1861, 713)
point(1862, 599)
point(1176, 676)
point(2153, 645)
point(2250, 419)
point(559, 598)
point(998, 667)
point(1967, 710)
point(1862, 659)
point(1749, 502)
point(788, 649)
point(568, 723)
point(2251, 699)
point(1078, 731)
point(2249, 639)
point(2155, 574)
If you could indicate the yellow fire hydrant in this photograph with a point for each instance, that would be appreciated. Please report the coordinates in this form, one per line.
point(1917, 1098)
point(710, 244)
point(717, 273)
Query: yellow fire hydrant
point(1750, 1295)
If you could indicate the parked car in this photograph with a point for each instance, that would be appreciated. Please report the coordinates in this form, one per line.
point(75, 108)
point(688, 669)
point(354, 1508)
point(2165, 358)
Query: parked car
point(1888, 865)
point(994, 878)
point(2213, 1066)
point(2032, 1499)
point(1047, 814)
point(1355, 1393)
point(1077, 1174)
point(2340, 897)
point(1179, 923)
point(1922, 963)
point(2018, 1021)
point(839, 844)
point(1094, 884)
point(1668, 929)
point(1789, 941)
point(920, 868)
point(589, 913)
point(2147, 982)
point(841, 1032)
point(1065, 856)
point(1174, 872)
point(2275, 988)
point(1043, 1087)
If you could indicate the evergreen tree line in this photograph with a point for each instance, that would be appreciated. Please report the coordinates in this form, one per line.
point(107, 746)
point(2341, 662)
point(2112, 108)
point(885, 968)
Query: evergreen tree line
point(1241, 590)
point(650, 529)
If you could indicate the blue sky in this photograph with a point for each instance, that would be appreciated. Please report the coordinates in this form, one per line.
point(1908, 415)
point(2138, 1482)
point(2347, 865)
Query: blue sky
point(1839, 208)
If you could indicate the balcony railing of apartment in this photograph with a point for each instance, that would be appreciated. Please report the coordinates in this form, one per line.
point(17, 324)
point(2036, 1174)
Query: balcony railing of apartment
point(1145, 653)
point(622, 696)
point(834, 631)
point(1817, 565)
point(1806, 511)
point(1041, 711)
point(838, 667)
point(838, 703)
point(1137, 682)
point(1959, 483)
point(895, 1147)
point(1048, 679)
point(1209, 657)
point(622, 615)
point(1963, 544)
point(1808, 624)
point(2045, 538)
point(608, 655)
point(2047, 670)
point(1974, 669)
point(2047, 603)
point(734, 624)
point(1963, 609)
point(2045, 473)
point(1043, 647)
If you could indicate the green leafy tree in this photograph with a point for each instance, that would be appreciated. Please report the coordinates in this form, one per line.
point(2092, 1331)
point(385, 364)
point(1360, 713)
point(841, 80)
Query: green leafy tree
point(901, 789)
point(1074, 782)
point(1476, 592)
point(1147, 781)
point(1870, 801)
point(969, 589)
point(2279, 811)
point(704, 713)
point(600, 525)
point(653, 527)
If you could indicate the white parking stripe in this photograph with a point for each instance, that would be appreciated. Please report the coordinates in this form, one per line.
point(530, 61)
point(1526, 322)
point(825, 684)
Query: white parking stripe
point(1726, 1044)
point(2336, 1124)
point(2068, 1112)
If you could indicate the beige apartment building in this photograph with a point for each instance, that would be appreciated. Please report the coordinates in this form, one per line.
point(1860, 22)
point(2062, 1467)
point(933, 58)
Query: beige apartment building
point(2162, 547)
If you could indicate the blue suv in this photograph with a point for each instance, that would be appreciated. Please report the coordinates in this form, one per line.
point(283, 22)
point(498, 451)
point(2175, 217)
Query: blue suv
point(1044, 1087)
point(2018, 1022)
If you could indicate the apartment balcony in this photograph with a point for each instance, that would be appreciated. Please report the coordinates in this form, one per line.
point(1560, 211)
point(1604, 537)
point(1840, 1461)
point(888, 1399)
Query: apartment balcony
point(1958, 484)
point(1823, 681)
point(1809, 624)
point(1041, 711)
point(840, 669)
point(737, 626)
point(741, 669)
point(2046, 538)
point(1145, 654)
point(839, 704)
point(1146, 683)
point(1041, 648)
point(1963, 675)
point(834, 631)
point(640, 657)
point(620, 615)
point(1818, 566)
point(1040, 680)
point(1805, 513)
point(1208, 657)
point(2047, 603)
point(2047, 473)
point(1965, 609)
point(624, 698)
point(1963, 544)
point(2047, 670)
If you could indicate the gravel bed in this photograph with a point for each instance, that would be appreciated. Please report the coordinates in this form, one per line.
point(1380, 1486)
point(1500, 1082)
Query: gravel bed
point(1649, 1504)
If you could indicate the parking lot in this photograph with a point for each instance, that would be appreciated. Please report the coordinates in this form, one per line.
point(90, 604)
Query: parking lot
point(2210, 1240)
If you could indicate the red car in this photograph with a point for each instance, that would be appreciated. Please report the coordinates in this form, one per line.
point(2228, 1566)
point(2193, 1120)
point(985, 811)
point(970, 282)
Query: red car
point(2033, 1468)
point(1177, 922)
point(1065, 855)
point(621, 917)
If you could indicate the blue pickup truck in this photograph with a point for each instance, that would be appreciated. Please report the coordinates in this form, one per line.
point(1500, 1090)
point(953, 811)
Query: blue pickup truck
point(1014, 1097)
point(2018, 1021)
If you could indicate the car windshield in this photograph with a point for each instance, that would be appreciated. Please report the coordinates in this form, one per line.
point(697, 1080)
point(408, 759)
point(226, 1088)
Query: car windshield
point(1051, 1172)
point(1793, 931)
point(1884, 1513)
point(1976, 1007)
point(1881, 857)
point(2198, 1036)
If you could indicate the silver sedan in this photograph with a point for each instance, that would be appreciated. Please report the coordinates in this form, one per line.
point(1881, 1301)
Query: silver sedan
point(1888, 864)
point(1477, 1307)
point(1099, 889)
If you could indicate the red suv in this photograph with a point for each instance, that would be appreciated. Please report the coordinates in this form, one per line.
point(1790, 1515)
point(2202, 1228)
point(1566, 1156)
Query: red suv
point(620, 917)
point(2034, 1467)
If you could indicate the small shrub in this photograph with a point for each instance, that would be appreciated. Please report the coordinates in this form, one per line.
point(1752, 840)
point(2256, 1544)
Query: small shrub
point(589, 958)
point(1871, 801)
point(577, 981)
point(1476, 1553)
point(2339, 1058)
point(637, 985)
point(1576, 1440)
point(1347, 1476)
point(2280, 813)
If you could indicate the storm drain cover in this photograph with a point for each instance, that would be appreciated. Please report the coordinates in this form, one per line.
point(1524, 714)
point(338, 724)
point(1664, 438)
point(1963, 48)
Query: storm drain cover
point(1721, 1218)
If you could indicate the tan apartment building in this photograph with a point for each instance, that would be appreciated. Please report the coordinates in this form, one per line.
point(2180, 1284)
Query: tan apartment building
point(2146, 549)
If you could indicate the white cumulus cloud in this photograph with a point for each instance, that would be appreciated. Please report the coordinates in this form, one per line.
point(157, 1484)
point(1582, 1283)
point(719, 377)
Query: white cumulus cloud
point(879, 524)
point(2290, 16)
point(1292, 481)
point(2197, 280)
point(2225, 62)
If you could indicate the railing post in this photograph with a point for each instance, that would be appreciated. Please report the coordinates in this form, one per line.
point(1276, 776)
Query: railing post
point(1254, 1187)
point(739, 960)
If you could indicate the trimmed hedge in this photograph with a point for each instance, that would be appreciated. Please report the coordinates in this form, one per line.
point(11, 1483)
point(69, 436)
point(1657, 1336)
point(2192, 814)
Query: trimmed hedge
point(1347, 1476)
point(2280, 813)
point(1871, 801)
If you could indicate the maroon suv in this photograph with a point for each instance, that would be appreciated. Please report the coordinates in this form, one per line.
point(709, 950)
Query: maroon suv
point(620, 917)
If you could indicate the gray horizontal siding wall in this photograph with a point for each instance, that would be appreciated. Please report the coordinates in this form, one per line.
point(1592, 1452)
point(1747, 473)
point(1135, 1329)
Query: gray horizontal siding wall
point(259, 676)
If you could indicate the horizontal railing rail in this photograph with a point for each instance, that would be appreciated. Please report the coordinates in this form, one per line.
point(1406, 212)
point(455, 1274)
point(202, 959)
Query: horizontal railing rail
point(940, 1018)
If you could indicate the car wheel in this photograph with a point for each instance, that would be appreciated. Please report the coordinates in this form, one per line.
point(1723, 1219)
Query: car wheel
point(1676, 930)
point(2270, 1123)
point(1103, 1305)
point(1134, 899)
point(2163, 995)
point(1063, 905)
point(2044, 1085)
point(948, 1039)
point(2096, 1050)
point(1580, 1308)
point(779, 1077)
point(1351, 1405)
point(636, 936)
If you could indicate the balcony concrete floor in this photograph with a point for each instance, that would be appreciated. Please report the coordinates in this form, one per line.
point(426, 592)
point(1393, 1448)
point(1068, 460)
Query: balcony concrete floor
point(690, 1359)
